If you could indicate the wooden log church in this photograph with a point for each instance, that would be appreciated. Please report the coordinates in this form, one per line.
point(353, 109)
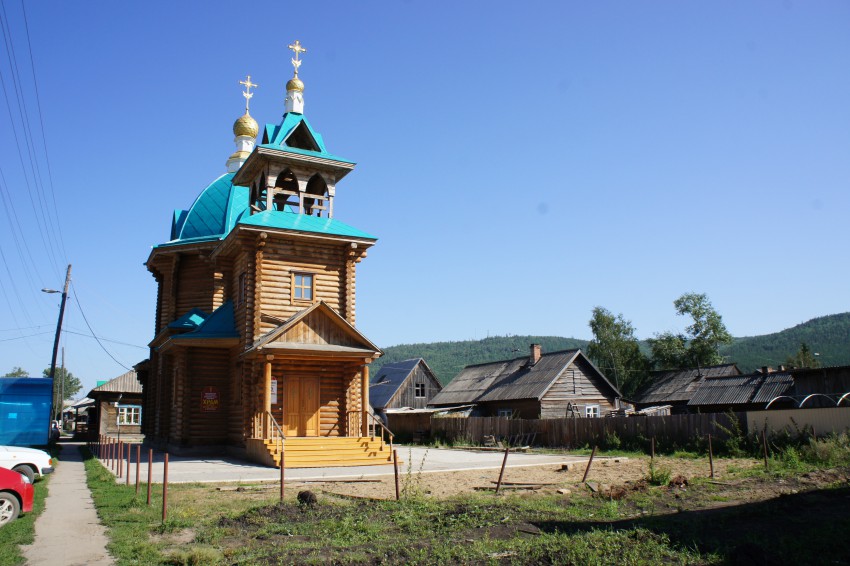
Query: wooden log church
point(256, 351)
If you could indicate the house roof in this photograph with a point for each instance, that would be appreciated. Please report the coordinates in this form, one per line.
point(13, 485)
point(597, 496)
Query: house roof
point(511, 379)
point(124, 383)
point(390, 378)
point(742, 389)
point(679, 385)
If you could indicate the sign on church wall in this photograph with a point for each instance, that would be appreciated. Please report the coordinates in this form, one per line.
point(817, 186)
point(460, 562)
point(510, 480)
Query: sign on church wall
point(209, 400)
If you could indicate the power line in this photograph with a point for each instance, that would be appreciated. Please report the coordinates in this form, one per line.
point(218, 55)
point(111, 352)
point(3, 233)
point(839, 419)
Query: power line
point(66, 331)
point(102, 347)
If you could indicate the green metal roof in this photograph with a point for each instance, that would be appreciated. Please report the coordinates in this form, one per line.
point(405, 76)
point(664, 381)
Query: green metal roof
point(275, 137)
point(220, 324)
point(303, 223)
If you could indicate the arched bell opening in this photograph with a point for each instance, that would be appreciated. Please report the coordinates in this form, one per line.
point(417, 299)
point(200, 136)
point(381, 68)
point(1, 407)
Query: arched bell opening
point(285, 190)
point(317, 203)
point(258, 195)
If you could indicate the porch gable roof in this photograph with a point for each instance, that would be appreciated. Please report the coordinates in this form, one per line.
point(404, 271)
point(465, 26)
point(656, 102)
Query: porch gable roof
point(316, 330)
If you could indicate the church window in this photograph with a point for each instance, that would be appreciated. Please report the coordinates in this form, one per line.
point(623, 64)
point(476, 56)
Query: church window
point(302, 286)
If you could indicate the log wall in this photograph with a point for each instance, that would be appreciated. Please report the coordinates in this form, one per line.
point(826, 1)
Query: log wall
point(578, 385)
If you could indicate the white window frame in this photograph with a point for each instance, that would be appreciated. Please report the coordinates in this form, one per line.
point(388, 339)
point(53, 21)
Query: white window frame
point(416, 388)
point(134, 410)
point(591, 411)
point(505, 413)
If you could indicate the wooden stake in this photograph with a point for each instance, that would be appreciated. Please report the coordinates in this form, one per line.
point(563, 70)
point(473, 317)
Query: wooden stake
point(129, 460)
point(710, 457)
point(138, 463)
point(589, 462)
point(764, 445)
point(502, 472)
point(395, 468)
point(652, 449)
point(165, 489)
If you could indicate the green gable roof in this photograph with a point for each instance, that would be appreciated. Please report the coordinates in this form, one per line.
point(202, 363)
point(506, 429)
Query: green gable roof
point(276, 137)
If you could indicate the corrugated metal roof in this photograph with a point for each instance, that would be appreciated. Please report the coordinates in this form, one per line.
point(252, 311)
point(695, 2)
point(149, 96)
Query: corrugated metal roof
point(387, 381)
point(742, 389)
point(125, 383)
point(508, 380)
point(680, 385)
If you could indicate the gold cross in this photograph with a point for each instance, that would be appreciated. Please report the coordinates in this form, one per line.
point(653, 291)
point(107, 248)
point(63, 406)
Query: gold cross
point(296, 47)
point(247, 92)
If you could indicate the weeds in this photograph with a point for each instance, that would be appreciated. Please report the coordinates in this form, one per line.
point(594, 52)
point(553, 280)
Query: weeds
point(411, 487)
point(658, 475)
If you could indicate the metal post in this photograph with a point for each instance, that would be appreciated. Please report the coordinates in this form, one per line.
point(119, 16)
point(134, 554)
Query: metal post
point(165, 489)
point(119, 458)
point(502, 471)
point(282, 474)
point(150, 473)
point(138, 463)
point(129, 460)
point(589, 462)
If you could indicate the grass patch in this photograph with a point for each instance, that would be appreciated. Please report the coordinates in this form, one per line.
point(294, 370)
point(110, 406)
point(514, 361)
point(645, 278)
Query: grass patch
point(22, 531)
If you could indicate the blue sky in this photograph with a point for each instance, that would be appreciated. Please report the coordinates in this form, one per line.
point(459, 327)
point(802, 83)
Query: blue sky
point(520, 164)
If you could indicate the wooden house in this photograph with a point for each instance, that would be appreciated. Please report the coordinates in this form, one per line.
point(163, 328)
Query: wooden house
point(405, 384)
point(554, 385)
point(255, 343)
point(116, 409)
point(676, 387)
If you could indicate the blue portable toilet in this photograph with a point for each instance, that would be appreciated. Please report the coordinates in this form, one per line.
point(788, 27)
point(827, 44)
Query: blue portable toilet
point(25, 410)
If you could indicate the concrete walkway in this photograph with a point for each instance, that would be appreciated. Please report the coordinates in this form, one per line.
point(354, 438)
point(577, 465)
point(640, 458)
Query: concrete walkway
point(68, 532)
point(195, 469)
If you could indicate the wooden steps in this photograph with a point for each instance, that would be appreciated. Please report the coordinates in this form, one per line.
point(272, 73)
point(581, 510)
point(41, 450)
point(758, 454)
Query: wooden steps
point(323, 451)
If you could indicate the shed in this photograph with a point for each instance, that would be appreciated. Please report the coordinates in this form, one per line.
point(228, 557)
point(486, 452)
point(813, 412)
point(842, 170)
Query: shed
point(117, 408)
point(750, 392)
point(409, 383)
point(676, 387)
point(554, 385)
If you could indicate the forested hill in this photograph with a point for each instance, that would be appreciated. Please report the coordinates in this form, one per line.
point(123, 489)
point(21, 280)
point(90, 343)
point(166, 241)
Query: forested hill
point(829, 336)
point(446, 359)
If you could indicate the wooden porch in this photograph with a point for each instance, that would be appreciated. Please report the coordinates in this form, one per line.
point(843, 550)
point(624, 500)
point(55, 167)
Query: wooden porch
point(269, 445)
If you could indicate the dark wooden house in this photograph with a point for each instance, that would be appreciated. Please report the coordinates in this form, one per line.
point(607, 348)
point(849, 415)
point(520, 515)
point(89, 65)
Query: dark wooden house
point(255, 338)
point(406, 384)
point(116, 409)
point(554, 385)
point(676, 387)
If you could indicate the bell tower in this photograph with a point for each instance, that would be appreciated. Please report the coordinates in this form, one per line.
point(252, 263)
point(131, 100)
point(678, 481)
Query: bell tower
point(291, 170)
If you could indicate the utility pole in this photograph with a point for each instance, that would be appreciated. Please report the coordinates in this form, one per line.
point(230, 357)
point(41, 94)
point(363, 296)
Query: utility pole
point(62, 390)
point(59, 328)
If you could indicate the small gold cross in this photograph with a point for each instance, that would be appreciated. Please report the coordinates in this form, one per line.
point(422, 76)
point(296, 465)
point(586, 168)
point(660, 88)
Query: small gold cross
point(296, 47)
point(247, 92)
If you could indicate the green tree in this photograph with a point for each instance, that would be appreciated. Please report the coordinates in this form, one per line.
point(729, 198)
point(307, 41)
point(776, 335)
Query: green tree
point(804, 358)
point(17, 371)
point(71, 386)
point(614, 346)
point(699, 347)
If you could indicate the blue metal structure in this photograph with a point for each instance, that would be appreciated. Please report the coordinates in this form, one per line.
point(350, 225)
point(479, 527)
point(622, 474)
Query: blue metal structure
point(25, 410)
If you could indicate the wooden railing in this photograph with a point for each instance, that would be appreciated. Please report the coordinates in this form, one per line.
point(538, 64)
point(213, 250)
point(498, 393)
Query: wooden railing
point(374, 427)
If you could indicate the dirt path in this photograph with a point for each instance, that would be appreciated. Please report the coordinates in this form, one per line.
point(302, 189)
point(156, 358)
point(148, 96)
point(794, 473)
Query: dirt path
point(611, 471)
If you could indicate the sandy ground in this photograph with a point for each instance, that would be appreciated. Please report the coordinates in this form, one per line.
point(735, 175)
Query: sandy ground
point(550, 478)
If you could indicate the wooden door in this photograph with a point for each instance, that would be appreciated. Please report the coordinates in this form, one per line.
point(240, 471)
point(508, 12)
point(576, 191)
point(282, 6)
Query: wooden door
point(301, 406)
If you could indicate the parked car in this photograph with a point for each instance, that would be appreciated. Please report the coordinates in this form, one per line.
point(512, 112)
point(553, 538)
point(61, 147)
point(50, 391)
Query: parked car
point(15, 495)
point(30, 462)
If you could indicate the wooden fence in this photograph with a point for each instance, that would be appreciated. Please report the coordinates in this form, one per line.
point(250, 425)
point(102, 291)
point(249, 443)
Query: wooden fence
point(670, 430)
point(570, 432)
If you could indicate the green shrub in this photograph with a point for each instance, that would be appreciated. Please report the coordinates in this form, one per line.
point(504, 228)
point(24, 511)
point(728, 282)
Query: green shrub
point(658, 475)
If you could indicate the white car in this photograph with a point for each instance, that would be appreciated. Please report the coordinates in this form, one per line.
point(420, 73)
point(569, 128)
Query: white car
point(29, 462)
